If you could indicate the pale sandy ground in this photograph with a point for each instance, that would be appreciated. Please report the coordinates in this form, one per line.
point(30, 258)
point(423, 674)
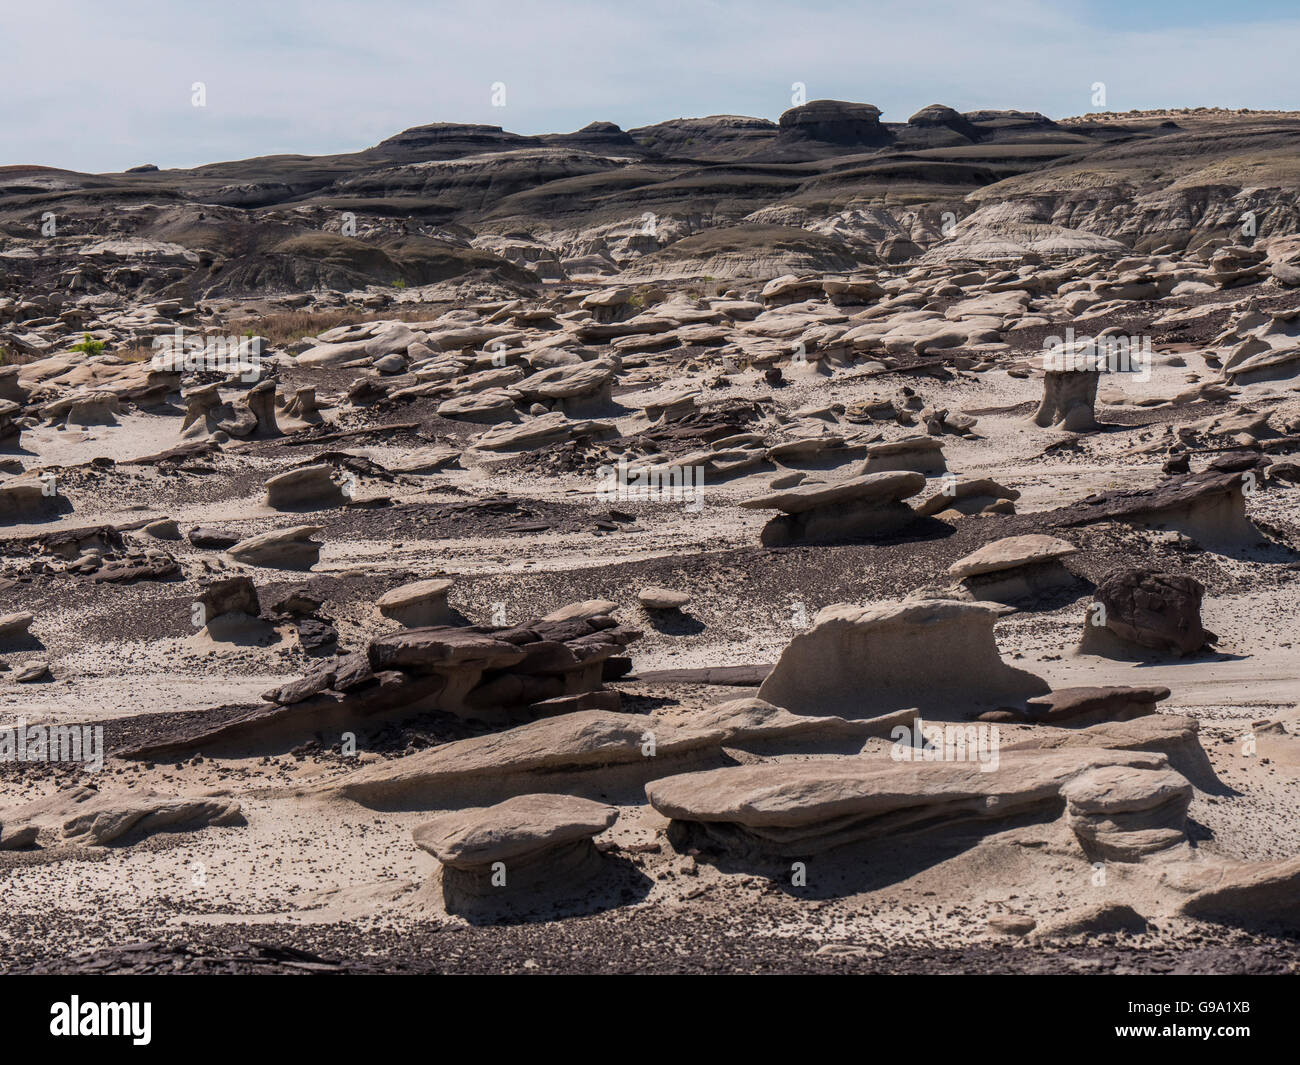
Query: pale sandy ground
point(308, 861)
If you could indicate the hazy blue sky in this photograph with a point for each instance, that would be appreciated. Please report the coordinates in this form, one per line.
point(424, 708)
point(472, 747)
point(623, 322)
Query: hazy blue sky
point(100, 86)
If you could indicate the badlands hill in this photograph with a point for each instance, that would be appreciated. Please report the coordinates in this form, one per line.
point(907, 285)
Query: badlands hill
point(447, 201)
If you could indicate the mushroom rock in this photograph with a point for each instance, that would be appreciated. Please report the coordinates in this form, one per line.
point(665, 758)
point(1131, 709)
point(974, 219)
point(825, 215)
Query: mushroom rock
point(302, 405)
point(938, 656)
point(1015, 568)
point(1123, 813)
point(202, 406)
point(518, 853)
point(833, 122)
point(158, 385)
point(84, 408)
point(260, 399)
point(577, 387)
point(918, 454)
point(1069, 399)
point(863, 506)
point(418, 604)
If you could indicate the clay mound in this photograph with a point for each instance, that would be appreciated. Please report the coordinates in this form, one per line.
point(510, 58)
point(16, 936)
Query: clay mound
point(938, 656)
point(1015, 568)
point(748, 250)
point(1098, 919)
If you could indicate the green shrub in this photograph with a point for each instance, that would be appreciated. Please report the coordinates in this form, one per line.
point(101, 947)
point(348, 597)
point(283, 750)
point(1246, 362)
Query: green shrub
point(89, 345)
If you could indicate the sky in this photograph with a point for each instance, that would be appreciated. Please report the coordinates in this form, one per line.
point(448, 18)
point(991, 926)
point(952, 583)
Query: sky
point(93, 86)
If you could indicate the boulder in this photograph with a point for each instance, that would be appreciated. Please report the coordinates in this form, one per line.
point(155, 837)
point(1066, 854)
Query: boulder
point(1143, 609)
point(653, 597)
point(305, 488)
point(291, 548)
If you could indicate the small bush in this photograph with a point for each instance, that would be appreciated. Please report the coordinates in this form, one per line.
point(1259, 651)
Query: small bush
point(89, 345)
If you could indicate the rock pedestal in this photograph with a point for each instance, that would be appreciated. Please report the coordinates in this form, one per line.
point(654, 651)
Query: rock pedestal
point(1069, 400)
point(518, 854)
point(863, 506)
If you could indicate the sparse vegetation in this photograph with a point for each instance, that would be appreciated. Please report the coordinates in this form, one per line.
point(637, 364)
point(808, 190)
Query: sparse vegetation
point(88, 345)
